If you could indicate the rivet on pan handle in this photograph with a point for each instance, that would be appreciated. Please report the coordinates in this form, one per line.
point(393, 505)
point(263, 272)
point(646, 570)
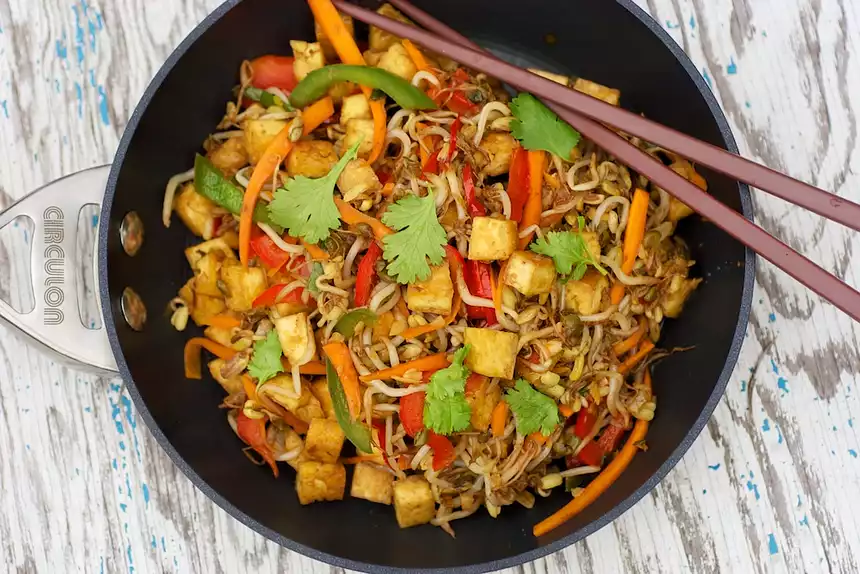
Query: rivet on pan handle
point(55, 320)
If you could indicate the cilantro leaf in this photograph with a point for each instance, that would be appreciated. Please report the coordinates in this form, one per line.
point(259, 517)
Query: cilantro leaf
point(533, 409)
point(316, 271)
point(569, 251)
point(419, 236)
point(537, 127)
point(445, 408)
point(306, 206)
point(266, 359)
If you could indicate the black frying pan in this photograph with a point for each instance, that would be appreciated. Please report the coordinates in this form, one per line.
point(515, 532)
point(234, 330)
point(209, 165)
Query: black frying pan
point(613, 43)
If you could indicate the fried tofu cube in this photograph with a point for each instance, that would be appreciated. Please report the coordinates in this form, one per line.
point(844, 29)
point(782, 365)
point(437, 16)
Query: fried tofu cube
point(258, 135)
point(397, 61)
point(339, 90)
point(380, 40)
point(530, 273)
point(372, 483)
point(292, 441)
point(243, 285)
point(493, 353)
point(356, 179)
point(290, 308)
point(498, 147)
point(433, 295)
point(413, 501)
point(354, 107)
point(592, 242)
point(585, 296)
point(320, 481)
point(232, 385)
point(311, 158)
point(220, 335)
point(324, 440)
point(218, 245)
point(324, 42)
point(595, 90)
point(198, 213)
point(309, 57)
point(680, 289)
point(678, 210)
point(207, 274)
point(206, 307)
point(358, 130)
point(306, 406)
point(320, 390)
point(296, 337)
point(482, 402)
point(557, 78)
point(492, 239)
point(229, 157)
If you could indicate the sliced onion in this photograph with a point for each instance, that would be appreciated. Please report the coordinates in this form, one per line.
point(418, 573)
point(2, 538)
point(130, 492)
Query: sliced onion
point(276, 239)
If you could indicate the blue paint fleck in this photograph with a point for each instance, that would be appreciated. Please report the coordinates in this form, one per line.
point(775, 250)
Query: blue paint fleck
point(743, 386)
point(102, 571)
point(28, 446)
point(128, 485)
point(692, 22)
point(672, 26)
point(752, 474)
point(4, 105)
point(163, 545)
point(783, 385)
point(748, 106)
point(772, 316)
point(765, 425)
point(764, 33)
point(79, 95)
point(753, 488)
point(60, 46)
point(798, 501)
point(123, 506)
point(851, 423)
point(57, 86)
point(704, 491)
point(130, 561)
point(121, 445)
point(92, 77)
point(805, 521)
point(79, 37)
point(714, 466)
point(771, 544)
point(88, 409)
point(707, 77)
point(95, 220)
point(778, 436)
point(114, 464)
point(774, 367)
point(154, 543)
point(852, 452)
point(834, 428)
point(175, 561)
point(103, 106)
point(732, 68)
point(146, 494)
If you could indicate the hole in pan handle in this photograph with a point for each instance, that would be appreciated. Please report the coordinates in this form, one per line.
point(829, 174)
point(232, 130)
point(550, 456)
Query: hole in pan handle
point(55, 321)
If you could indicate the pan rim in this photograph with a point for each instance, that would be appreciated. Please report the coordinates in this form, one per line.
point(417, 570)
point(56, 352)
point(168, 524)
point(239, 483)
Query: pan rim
point(511, 561)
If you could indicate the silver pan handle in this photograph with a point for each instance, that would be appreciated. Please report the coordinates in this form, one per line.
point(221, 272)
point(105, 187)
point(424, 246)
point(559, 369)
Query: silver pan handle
point(55, 321)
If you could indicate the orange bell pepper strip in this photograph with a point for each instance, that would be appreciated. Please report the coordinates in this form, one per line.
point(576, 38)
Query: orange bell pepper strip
point(417, 57)
point(498, 418)
point(565, 411)
point(316, 252)
point(222, 321)
point(338, 354)
point(630, 342)
point(431, 363)
point(437, 323)
point(534, 203)
point(191, 355)
point(633, 236)
point(631, 361)
point(352, 216)
point(602, 481)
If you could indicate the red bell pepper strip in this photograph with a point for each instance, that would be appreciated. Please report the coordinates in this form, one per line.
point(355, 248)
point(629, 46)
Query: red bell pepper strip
point(585, 421)
point(454, 256)
point(610, 438)
point(518, 182)
point(459, 103)
point(443, 450)
point(270, 254)
point(379, 427)
point(452, 142)
point(474, 383)
point(366, 276)
point(269, 297)
point(473, 204)
point(591, 455)
point(412, 412)
point(253, 432)
point(478, 279)
point(274, 72)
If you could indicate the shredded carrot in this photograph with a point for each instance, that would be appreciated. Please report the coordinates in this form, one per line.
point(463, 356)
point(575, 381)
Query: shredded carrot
point(402, 307)
point(633, 236)
point(433, 362)
point(497, 284)
point(403, 461)
point(380, 125)
point(631, 361)
point(499, 418)
point(192, 355)
point(338, 354)
point(222, 321)
point(312, 116)
point(437, 323)
point(603, 480)
point(533, 207)
point(352, 216)
point(387, 189)
point(316, 252)
point(698, 180)
point(295, 422)
point(538, 438)
point(250, 388)
point(309, 368)
point(565, 410)
point(630, 342)
point(417, 57)
point(616, 294)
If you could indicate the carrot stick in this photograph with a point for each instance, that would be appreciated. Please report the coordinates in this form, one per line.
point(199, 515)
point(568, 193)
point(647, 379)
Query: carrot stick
point(538, 438)
point(402, 307)
point(309, 368)
point(312, 116)
point(499, 418)
point(191, 355)
point(250, 388)
point(338, 354)
point(631, 361)
point(633, 236)
point(630, 342)
point(352, 216)
point(387, 189)
point(565, 411)
point(532, 210)
point(437, 323)
point(431, 363)
point(417, 57)
point(616, 294)
point(222, 321)
point(316, 252)
point(295, 422)
point(496, 282)
point(603, 480)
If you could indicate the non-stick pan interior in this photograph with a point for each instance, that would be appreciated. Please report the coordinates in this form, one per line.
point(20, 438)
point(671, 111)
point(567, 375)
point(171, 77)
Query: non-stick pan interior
point(603, 41)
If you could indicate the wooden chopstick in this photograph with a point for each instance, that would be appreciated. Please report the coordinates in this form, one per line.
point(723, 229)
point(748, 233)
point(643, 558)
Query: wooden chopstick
point(796, 265)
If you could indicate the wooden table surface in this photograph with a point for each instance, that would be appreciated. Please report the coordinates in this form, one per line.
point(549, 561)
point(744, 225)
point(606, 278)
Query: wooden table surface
point(768, 485)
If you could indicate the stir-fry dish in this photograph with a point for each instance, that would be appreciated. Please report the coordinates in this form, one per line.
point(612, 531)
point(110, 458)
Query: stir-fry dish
point(411, 277)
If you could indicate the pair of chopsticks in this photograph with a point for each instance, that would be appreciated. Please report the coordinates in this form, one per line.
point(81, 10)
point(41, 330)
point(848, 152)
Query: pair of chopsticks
point(588, 115)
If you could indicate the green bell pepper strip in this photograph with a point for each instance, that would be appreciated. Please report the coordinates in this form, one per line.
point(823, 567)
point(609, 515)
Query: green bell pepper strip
point(346, 325)
point(266, 99)
point(316, 85)
point(211, 184)
point(357, 433)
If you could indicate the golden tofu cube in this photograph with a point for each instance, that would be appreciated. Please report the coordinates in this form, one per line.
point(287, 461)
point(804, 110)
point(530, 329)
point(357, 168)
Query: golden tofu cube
point(371, 57)
point(328, 49)
point(492, 239)
point(595, 90)
point(482, 402)
point(196, 212)
point(530, 273)
point(493, 353)
point(243, 285)
point(358, 130)
point(207, 275)
point(397, 61)
point(296, 337)
point(218, 245)
point(585, 296)
point(372, 483)
point(680, 289)
point(258, 135)
point(311, 158)
point(206, 307)
point(413, 501)
point(292, 441)
point(380, 40)
point(354, 107)
point(433, 295)
point(309, 57)
point(339, 90)
point(306, 406)
point(678, 210)
point(356, 179)
point(320, 390)
point(229, 157)
point(498, 147)
point(592, 242)
point(291, 308)
point(232, 385)
point(320, 481)
point(557, 78)
point(324, 440)
point(220, 335)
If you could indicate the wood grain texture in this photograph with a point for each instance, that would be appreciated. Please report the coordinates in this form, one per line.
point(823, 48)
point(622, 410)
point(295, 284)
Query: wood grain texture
point(84, 487)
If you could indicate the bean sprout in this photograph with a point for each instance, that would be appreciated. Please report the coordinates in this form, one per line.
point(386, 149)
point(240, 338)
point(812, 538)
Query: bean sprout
point(172, 185)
